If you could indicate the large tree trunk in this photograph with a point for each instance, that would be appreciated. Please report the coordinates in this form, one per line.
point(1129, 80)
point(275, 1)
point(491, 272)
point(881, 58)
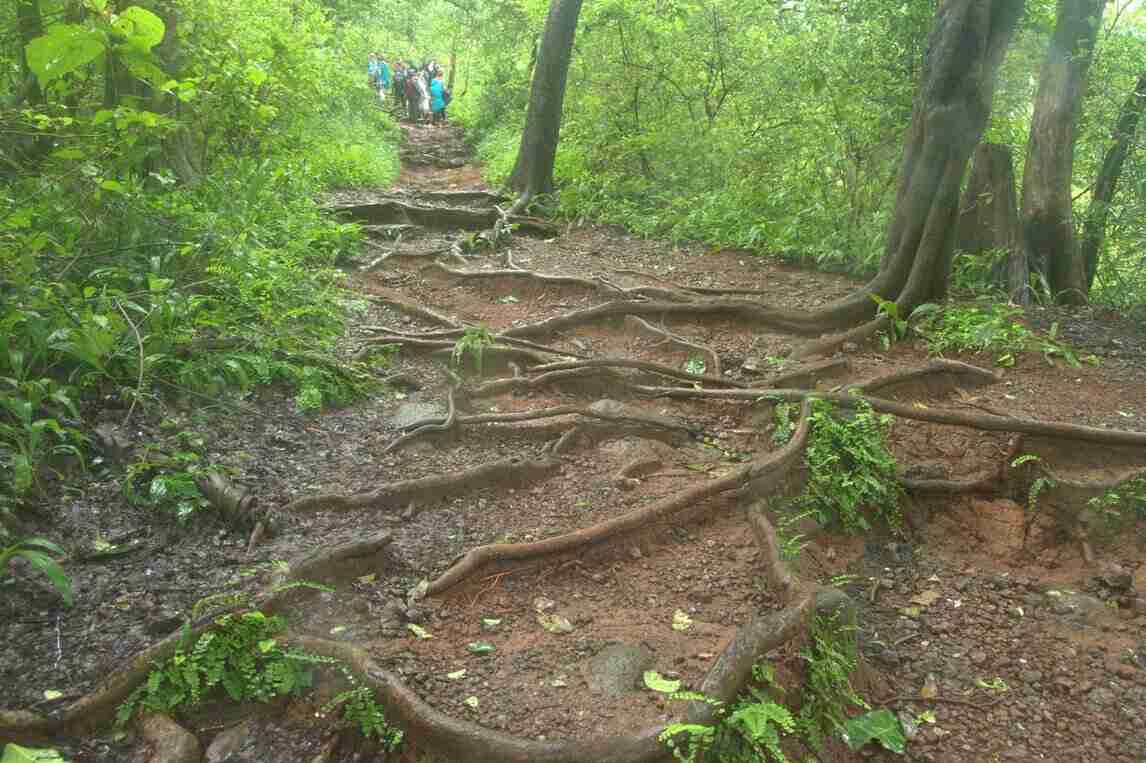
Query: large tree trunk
point(1049, 243)
point(989, 216)
point(950, 113)
point(1094, 230)
point(533, 172)
point(30, 26)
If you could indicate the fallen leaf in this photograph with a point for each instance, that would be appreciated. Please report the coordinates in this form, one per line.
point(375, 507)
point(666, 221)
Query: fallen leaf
point(926, 599)
point(419, 631)
point(471, 702)
point(554, 623)
point(657, 682)
point(681, 621)
point(456, 674)
point(479, 647)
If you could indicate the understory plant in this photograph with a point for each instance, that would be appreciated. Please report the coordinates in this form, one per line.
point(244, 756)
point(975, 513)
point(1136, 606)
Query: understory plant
point(988, 327)
point(851, 471)
point(243, 654)
point(35, 551)
point(473, 344)
point(752, 729)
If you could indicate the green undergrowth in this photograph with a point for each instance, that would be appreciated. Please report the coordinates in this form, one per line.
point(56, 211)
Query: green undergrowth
point(851, 472)
point(244, 658)
point(756, 727)
point(170, 242)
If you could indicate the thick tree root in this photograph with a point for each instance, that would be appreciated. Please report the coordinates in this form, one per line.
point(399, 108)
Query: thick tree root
point(748, 312)
point(511, 471)
point(765, 473)
point(985, 421)
point(606, 410)
point(678, 341)
point(415, 311)
point(393, 211)
point(340, 563)
point(444, 426)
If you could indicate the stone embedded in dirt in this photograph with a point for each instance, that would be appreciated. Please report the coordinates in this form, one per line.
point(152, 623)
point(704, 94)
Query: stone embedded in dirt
point(410, 413)
point(618, 669)
point(1079, 607)
point(1116, 577)
point(226, 746)
point(168, 742)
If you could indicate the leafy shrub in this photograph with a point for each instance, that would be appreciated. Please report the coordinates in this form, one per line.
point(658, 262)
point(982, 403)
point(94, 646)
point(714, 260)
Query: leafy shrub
point(850, 469)
point(987, 328)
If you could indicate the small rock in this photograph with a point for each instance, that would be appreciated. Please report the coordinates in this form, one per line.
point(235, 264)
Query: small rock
point(849, 347)
point(978, 657)
point(168, 741)
point(1116, 577)
point(635, 553)
point(618, 669)
point(224, 746)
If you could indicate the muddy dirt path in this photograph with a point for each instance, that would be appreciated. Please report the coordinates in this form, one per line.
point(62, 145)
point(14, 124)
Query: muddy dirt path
point(526, 414)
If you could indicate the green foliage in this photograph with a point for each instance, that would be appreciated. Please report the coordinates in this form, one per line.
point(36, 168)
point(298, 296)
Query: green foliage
point(897, 326)
point(14, 753)
point(360, 709)
point(35, 551)
point(159, 231)
point(828, 693)
point(850, 469)
point(751, 730)
point(1041, 482)
point(879, 725)
point(472, 343)
point(241, 655)
point(988, 327)
point(168, 481)
point(244, 656)
point(1125, 503)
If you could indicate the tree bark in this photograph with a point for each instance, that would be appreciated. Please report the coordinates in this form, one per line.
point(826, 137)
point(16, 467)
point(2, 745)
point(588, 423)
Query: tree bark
point(30, 25)
point(951, 110)
point(1094, 229)
point(533, 171)
point(1049, 243)
point(989, 217)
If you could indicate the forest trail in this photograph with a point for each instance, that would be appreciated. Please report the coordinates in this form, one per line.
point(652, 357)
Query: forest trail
point(515, 417)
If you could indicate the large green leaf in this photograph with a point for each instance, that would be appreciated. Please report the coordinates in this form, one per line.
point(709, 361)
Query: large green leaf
point(142, 28)
point(65, 48)
point(880, 725)
point(52, 570)
point(14, 753)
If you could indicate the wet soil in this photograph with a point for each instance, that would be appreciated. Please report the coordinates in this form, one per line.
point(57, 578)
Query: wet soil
point(1040, 657)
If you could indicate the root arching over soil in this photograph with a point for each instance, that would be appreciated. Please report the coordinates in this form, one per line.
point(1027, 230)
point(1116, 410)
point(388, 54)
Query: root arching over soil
point(646, 371)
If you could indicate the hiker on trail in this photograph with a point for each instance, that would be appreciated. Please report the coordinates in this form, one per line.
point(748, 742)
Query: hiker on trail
point(413, 100)
point(372, 70)
point(383, 79)
point(439, 98)
point(399, 85)
point(423, 99)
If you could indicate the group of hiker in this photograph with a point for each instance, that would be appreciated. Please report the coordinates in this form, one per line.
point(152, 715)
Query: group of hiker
point(419, 91)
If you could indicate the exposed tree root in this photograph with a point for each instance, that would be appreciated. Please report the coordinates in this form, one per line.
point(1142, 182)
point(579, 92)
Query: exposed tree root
point(510, 471)
point(807, 375)
point(679, 341)
point(606, 410)
point(986, 421)
point(748, 312)
point(393, 211)
point(445, 425)
point(339, 563)
point(416, 311)
point(834, 342)
point(461, 740)
point(938, 375)
point(986, 486)
point(769, 471)
point(529, 384)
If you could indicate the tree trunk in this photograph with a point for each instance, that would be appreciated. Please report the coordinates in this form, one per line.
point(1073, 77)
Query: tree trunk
point(989, 218)
point(951, 110)
point(1049, 243)
point(453, 64)
point(30, 26)
point(1094, 230)
point(533, 171)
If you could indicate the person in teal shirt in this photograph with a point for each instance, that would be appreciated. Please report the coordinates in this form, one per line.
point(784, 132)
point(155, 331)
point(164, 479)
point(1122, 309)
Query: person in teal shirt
point(383, 78)
point(438, 97)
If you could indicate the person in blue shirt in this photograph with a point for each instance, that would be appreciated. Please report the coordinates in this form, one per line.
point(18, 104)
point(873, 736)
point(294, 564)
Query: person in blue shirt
point(439, 97)
point(383, 79)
